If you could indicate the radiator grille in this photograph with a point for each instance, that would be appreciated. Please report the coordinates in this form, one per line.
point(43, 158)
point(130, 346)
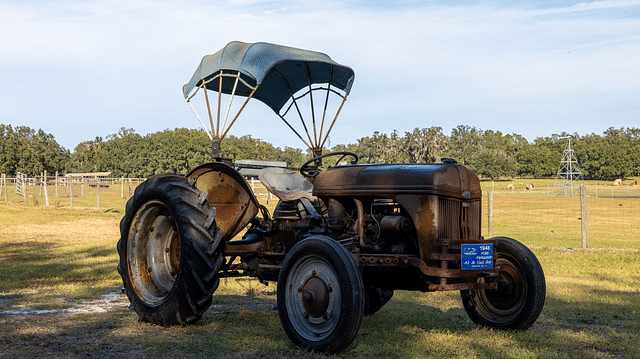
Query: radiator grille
point(458, 220)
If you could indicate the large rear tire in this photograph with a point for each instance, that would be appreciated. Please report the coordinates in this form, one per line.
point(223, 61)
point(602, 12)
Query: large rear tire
point(520, 296)
point(170, 251)
point(320, 295)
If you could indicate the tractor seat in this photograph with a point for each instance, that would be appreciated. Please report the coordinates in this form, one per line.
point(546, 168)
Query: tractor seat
point(285, 184)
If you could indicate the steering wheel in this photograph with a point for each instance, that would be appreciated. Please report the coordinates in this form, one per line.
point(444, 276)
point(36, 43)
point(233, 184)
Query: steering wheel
point(311, 171)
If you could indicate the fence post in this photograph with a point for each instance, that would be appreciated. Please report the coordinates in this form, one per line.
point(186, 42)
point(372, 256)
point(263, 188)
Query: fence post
point(24, 189)
point(46, 193)
point(98, 189)
point(129, 188)
point(122, 188)
point(57, 185)
point(583, 216)
point(71, 191)
point(4, 183)
point(490, 214)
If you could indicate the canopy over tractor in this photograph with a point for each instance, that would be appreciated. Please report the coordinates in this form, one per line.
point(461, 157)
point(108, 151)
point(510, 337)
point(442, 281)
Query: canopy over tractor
point(279, 76)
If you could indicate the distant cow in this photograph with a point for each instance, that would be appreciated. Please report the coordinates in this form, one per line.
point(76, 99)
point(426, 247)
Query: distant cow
point(617, 182)
point(510, 186)
point(528, 187)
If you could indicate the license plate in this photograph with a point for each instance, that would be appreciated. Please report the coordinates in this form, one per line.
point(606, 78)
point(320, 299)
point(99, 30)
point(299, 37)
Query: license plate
point(477, 256)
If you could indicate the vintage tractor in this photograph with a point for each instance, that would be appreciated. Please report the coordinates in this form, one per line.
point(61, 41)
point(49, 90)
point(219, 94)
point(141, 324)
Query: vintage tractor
point(340, 240)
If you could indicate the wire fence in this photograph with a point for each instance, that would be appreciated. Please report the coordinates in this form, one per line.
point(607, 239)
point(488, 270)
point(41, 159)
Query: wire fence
point(529, 211)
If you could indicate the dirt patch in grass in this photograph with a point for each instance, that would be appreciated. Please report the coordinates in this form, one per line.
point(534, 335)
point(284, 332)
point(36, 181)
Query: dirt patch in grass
point(104, 304)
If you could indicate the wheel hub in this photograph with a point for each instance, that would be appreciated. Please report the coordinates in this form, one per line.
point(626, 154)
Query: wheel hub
point(315, 296)
point(510, 289)
point(153, 252)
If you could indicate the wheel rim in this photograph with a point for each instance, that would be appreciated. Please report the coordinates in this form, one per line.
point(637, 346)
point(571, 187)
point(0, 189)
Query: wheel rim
point(505, 303)
point(313, 298)
point(153, 252)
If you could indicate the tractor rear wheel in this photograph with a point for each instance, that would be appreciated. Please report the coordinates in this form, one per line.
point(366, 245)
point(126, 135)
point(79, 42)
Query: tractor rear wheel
point(170, 251)
point(520, 296)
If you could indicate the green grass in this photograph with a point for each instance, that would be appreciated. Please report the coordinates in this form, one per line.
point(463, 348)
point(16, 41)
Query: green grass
point(56, 257)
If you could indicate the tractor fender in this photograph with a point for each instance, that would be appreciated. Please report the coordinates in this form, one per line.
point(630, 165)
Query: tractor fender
point(229, 193)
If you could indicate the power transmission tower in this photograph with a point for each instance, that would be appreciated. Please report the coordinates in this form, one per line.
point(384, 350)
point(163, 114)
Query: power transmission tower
point(569, 172)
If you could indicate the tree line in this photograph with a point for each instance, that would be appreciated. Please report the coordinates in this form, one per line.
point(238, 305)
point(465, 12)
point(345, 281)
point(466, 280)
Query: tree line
point(491, 154)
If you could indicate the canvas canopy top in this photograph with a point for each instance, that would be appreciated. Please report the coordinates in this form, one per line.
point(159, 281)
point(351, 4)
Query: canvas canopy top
point(274, 72)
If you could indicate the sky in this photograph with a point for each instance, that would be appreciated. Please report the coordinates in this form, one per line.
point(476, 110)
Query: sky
point(79, 69)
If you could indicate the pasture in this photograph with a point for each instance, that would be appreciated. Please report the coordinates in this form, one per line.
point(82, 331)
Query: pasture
point(59, 290)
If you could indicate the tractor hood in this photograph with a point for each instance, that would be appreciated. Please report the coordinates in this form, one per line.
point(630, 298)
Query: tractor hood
point(443, 179)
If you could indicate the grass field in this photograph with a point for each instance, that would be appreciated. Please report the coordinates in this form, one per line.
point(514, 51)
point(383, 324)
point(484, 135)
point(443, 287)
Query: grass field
point(59, 292)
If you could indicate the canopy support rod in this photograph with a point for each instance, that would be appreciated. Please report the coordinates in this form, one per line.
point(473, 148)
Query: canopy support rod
point(295, 103)
point(301, 119)
point(219, 101)
point(206, 97)
point(202, 124)
point(233, 93)
point(326, 103)
point(313, 112)
point(294, 131)
point(238, 114)
point(334, 120)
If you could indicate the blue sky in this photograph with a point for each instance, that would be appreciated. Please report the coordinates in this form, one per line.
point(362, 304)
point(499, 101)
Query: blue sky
point(81, 69)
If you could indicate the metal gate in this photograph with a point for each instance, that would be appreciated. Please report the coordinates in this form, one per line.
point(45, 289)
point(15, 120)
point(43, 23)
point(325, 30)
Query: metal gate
point(21, 184)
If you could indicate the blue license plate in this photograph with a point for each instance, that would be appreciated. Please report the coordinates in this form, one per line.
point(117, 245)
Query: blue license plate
point(477, 256)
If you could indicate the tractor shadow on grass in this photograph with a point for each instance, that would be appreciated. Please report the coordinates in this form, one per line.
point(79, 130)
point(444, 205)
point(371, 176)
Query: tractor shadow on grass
point(600, 323)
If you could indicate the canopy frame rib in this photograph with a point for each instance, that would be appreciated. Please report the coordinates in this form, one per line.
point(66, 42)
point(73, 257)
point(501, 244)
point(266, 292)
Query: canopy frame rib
point(219, 131)
point(326, 103)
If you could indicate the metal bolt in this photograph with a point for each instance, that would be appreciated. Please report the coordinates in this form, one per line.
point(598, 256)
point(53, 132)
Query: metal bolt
point(329, 289)
point(313, 272)
point(300, 289)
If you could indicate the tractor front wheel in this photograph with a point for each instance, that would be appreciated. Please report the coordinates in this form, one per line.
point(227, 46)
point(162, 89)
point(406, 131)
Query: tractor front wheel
point(320, 295)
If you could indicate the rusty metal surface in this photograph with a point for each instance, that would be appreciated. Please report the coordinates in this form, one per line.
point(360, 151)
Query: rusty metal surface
point(228, 193)
point(442, 199)
point(440, 277)
point(449, 180)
